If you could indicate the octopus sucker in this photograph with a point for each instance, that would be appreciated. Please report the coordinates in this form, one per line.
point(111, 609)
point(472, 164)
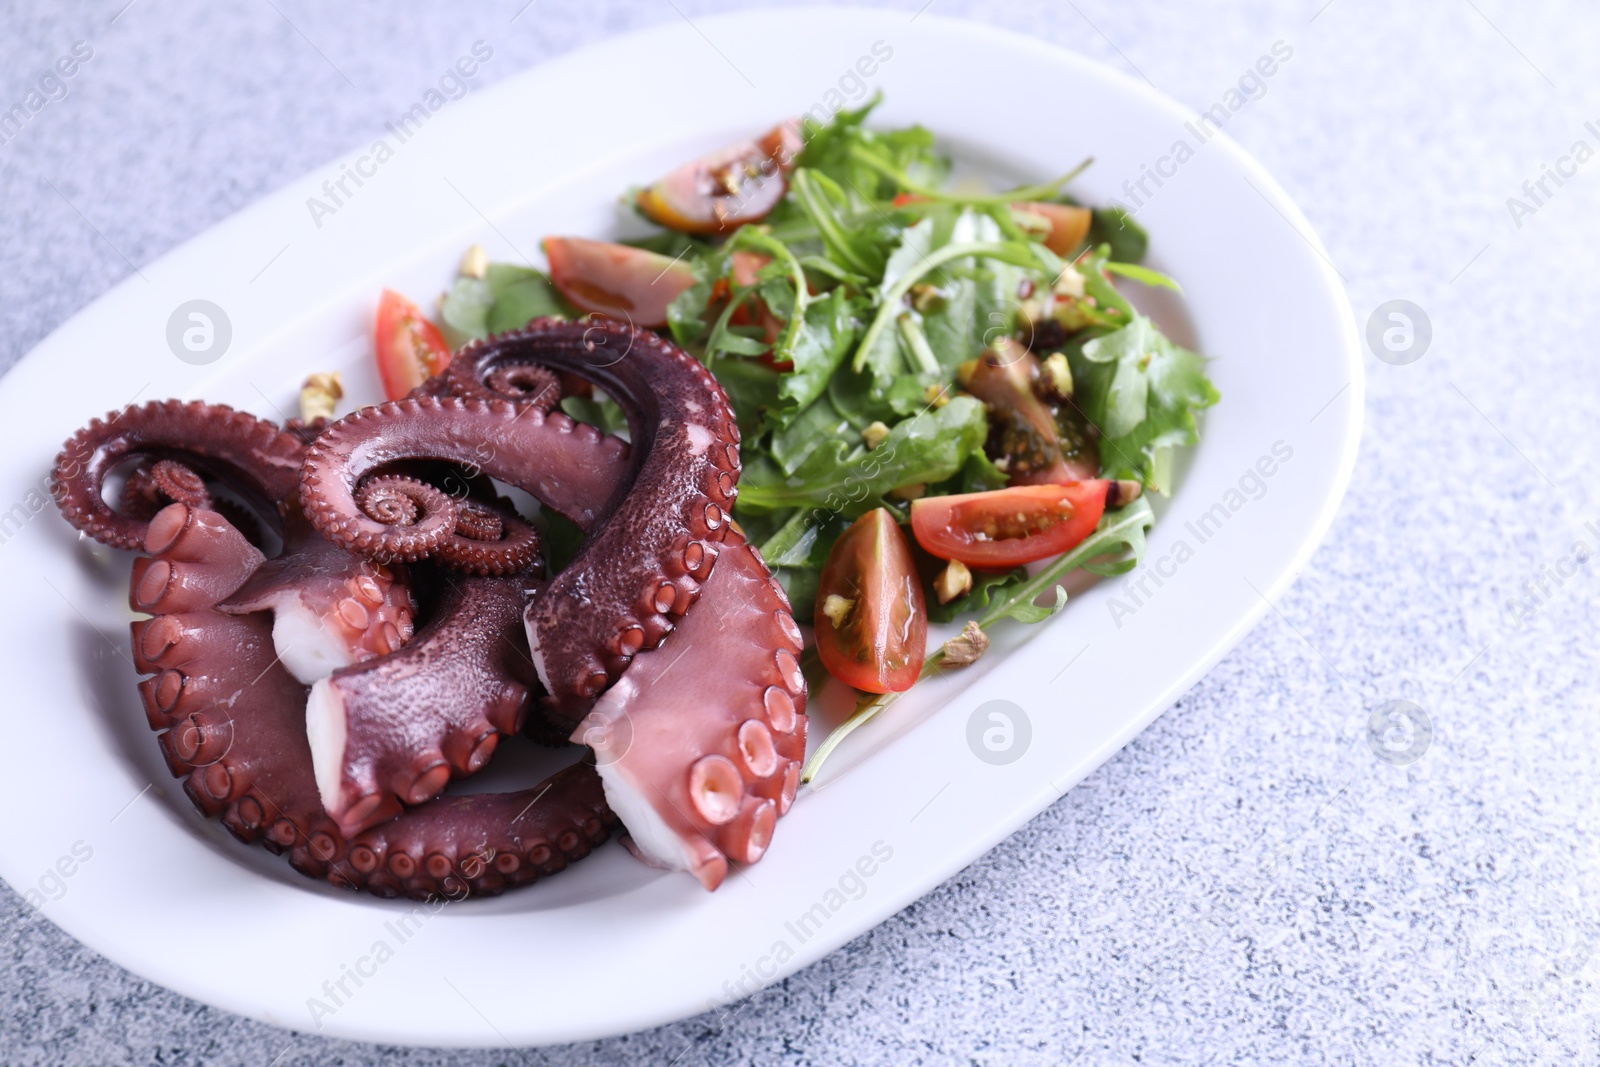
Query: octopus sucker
point(330, 609)
point(320, 702)
point(637, 503)
point(394, 730)
point(255, 457)
point(700, 740)
point(232, 724)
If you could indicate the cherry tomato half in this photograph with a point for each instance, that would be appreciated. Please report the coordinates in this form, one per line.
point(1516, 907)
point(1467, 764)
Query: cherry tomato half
point(871, 621)
point(738, 184)
point(1023, 428)
point(409, 348)
point(1068, 225)
point(618, 281)
point(1007, 527)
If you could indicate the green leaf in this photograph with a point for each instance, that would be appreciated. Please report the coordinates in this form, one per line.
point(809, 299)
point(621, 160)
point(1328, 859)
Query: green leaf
point(815, 424)
point(826, 205)
point(1177, 388)
point(463, 315)
point(598, 410)
point(752, 389)
point(1130, 350)
point(976, 475)
point(1115, 227)
point(836, 477)
point(986, 586)
point(1121, 535)
point(521, 294)
point(821, 345)
point(863, 153)
point(1112, 307)
point(1145, 275)
point(1019, 254)
point(560, 541)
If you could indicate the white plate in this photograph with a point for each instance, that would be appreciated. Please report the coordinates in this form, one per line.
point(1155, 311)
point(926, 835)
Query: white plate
point(611, 947)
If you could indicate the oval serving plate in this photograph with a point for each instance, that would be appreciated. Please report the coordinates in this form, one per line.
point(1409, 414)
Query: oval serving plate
point(104, 842)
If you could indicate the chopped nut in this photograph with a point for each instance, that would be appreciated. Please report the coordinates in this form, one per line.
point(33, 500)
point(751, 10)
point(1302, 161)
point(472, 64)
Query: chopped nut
point(873, 435)
point(965, 647)
point(1032, 223)
point(955, 580)
point(319, 396)
point(926, 298)
point(1069, 283)
point(475, 264)
point(1057, 376)
point(1122, 492)
point(1033, 313)
point(837, 608)
point(914, 491)
point(1071, 312)
point(936, 395)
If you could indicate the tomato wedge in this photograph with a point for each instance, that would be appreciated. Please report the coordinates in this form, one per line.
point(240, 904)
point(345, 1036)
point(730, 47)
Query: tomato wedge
point(1007, 527)
point(409, 348)
point(618, 281)
point(1066, 225)
point(738, 184)
point(1023, 428)
point(871, 621)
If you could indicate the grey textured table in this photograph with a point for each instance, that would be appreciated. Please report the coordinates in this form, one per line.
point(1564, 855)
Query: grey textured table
point(1247, 882)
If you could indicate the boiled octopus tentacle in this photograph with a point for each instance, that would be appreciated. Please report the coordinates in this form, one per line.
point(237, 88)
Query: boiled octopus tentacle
point(567, 466)
point(489, 539)
point(642, 565)
point(700, 742)
point(330, 609)
point(232, 725)
point(251, 455)
point(394, 731)
point(151, 487)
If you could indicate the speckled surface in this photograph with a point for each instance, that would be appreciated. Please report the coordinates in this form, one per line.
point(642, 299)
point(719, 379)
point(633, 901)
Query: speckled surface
point(1246, 882)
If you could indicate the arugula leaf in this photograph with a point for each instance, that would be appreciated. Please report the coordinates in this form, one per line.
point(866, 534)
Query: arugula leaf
point(1113, 306)
point(826, 205)
point(1121, 535)
point(801, 584)
point(1019, 254)
point(817, 423)
point(1176, 388)
point(976, 475)
point(1115, 227)
point(986, 586)
point(598, 410)
point(463, 314)
point(925, 448)
point(1129, 350)
point(1149, 277)
point(521, 294)
point(752, 389)
point(837, 150)
point(817, 331)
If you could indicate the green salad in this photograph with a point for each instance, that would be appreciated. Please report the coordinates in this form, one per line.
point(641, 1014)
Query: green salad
point(947, 401)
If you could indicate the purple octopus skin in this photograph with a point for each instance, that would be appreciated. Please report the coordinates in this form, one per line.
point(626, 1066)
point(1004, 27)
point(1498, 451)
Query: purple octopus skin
point(700, 741)
point(252, 456)
point(393, 731)
point(329, 609)
point(356, 609)
point(655, 512)
point(233, 728)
